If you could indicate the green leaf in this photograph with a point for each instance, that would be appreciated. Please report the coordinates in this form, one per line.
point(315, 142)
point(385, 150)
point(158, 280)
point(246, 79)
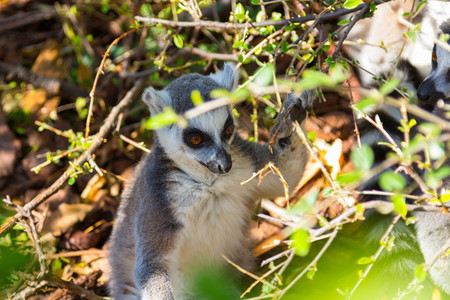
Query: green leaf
point(301, 242)
point(430, 130)
point(343, 22)
point(284, 46)
point(165, 118)
point(366, 105)
point(311, 272)
point(365, 260)
point(389, 86)
point(434, 178)
point(238, 44)
point(349, 177)
point(239, 12)
point(260, 16)
point(362, 158)
point(390, 181)
point(196, 97)
point(400, 205)
point(18, 227)
point(313, 79)
point(420, 273)
point(349, 4)
point(71, 181)
point(178, 41)
point(56, 265)
point(307, 204)
point(327, 192)
point(445, 196)
point(265, 75)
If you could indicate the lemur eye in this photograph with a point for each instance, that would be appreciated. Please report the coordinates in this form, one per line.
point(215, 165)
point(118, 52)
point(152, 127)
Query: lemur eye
point(229, 130)
point(433, 56)
point(195, 140)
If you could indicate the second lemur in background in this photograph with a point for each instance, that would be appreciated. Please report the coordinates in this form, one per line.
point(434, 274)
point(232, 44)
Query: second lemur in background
point(186, 206)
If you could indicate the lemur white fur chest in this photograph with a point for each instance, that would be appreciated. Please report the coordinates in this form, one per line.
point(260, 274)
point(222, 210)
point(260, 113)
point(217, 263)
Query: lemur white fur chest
point(186, 207)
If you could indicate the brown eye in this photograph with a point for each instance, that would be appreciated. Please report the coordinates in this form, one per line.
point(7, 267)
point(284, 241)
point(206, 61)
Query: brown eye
point(195, 140)
point(433, 56)
point(229, 130)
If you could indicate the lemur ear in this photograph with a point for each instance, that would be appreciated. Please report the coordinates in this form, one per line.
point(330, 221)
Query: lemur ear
point(156, 100)
point(227, 78)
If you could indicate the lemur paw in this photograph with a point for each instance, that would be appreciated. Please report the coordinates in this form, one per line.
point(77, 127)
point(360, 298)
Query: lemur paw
point(299, 106)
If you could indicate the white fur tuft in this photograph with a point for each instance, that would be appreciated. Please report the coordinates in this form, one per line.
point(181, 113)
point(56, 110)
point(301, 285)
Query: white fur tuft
point(156, 100)
point(227, 78)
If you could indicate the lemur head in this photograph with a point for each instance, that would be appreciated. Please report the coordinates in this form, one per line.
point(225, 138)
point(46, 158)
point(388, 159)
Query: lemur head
point(202, 149)
point(437, 84)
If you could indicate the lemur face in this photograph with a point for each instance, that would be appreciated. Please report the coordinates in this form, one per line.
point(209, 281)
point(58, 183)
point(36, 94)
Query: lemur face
point(211, 144)
point(436, 85)
point(202, 148)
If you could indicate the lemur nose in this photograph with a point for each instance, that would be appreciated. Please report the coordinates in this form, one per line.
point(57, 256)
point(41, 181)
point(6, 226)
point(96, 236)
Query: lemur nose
point(224, 168)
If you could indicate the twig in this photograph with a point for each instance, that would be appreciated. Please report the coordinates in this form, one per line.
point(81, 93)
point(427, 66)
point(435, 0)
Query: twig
point(133, 143)
point(344, 35)
point(242, 270)
point(254, 283)
point(96, 142)
point(406, 167)
point(99, 71)
point(211, 55)
point(411, 26)
point(77, 253)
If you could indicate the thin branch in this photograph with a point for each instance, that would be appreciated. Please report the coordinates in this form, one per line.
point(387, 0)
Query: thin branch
point(242, 270)
point(211, 55)
point(99, 71)
point(344, 35)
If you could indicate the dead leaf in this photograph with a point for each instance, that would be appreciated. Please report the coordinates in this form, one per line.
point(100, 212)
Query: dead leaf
point(33, 100)
point(334, 158)
point(65, 217)
point(49, 63)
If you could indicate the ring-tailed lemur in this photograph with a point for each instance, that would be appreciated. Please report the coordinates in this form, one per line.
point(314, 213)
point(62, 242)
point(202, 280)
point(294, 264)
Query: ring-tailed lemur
point(432, 230)
point(186, 207)
point(386, 49)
